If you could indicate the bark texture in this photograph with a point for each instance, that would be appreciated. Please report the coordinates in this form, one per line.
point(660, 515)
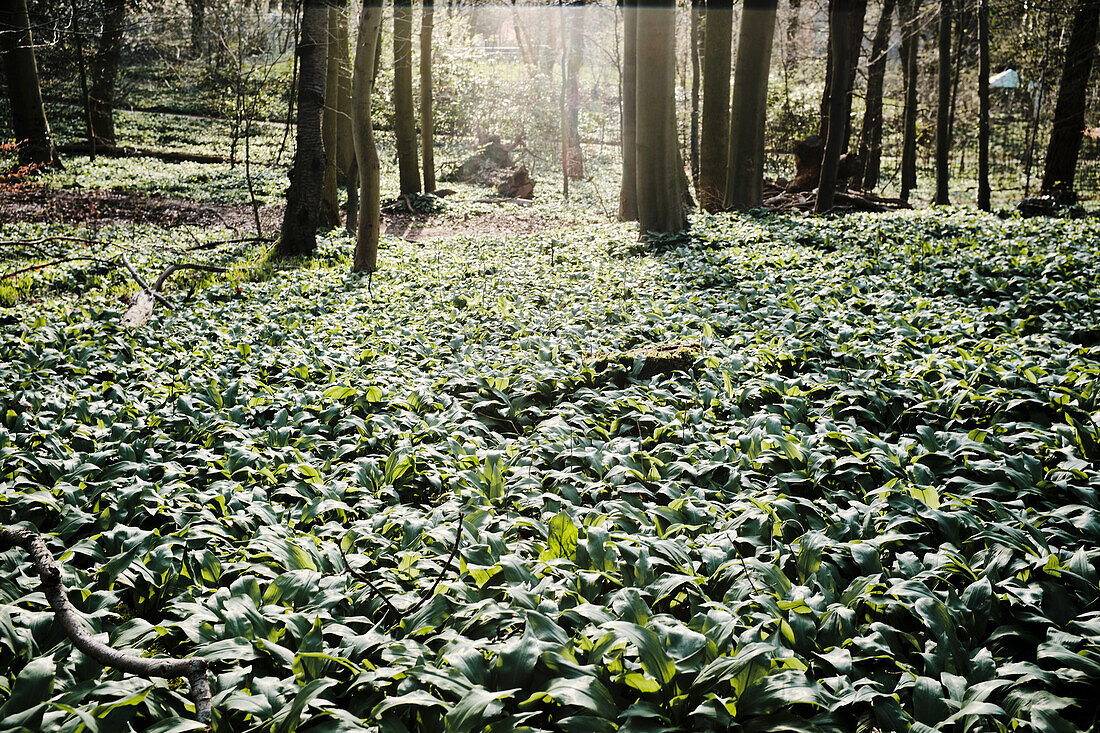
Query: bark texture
point(32, 131)
point(745, 170)
point(714, 131)
point(366, 154)
point(574, 156)
point(983, 106)
point(427, 118)
point(105, 71)
point(628, 188)
point(870, 133)
point(943, 106)
point(329, 214)
point(910, 39)
point(404, 118)
point(830, 160)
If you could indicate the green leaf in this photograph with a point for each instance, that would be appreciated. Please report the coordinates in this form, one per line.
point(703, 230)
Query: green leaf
point(561, 542)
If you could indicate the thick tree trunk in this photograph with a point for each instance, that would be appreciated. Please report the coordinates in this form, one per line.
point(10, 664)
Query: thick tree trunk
point(983, 106)
point(856, 15)
point(574, 156)
point(303, 197)
point(329, 214)
point(427, 119)
point(198, 18)
point(909, 11)
point(1069, 111)
point(745, 170)
point(628, 189)
point(366, 154)
point(943, 107)
point(659, 168)
point(838, 39)
point(697, 10)
point(715, 129)
point(404, 119)
point(105, 71)
point(32, 131)
point(870, 134)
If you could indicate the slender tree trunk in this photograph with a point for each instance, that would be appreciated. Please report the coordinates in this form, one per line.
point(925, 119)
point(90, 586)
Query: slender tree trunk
point(574, 15)
point(366, 63)
point(870, 134)
point(1069, 111)
point(427, 120)
point(943, 107)
point(983, 106)
point(346, 170)
point(628, 190)
point(838, 38)
point(714, 140)
point(697, 10)
point(303, 197)
point(659, 167)
point(105, 71)
point(745, 170)
point(404, 120)
point(198, 17)
point(910, 42)
point(329, 214)
point(856, 16)
point(32, 131)
point(82, 68)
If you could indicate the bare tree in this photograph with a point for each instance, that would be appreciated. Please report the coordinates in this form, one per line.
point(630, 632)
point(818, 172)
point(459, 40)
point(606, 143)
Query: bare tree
point(838, 41)
point(427, 120)
point(943, 107)
point(870, 133)
point(745, 170)
point(366, 154)
point(32, 131)
point(628, 189)
point(910, 39)
point(105, 71)
point(715, 126)
point(404, 120)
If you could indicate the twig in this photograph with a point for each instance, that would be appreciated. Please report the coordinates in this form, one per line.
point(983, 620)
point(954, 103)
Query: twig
point(144, 285)
point(370, 584)
point(193, 668)
point(220, 242)
point(44, 265)
point(444, 569)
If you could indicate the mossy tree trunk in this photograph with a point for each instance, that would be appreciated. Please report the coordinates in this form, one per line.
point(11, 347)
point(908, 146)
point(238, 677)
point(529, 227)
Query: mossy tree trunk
point(32, 131)
point(574, 57)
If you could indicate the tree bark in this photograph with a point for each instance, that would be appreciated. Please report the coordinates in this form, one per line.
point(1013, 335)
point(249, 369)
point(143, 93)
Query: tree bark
point(404, 119)
point(628, 189)
point(32, 131)
point(659, 171)
point(574, 156)
point(943, 107)
point(856, 15)
point(1069, 111)
point(838, 38)
point(198, 17)
point(105, 71)
point(745, 170)
point(983, 106)
point(303, 198)
point(366, 154)
point(909, 11)
point(329, 214)
point(697, 9)
point(427, 119)
point(870, 133)
point(715, 128)
point(347, 173)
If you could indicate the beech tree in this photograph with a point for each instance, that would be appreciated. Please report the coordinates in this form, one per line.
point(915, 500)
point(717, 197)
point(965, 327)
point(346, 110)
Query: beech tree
point(857, 12)
point(105, 71)
point(32, 131)
point(909, 11)
point(427, 121)
point(366, 153)
point(329, 215)
point(1069, 111)
point(303, 197)
point(838, 40)
point(628, 188)
point(715, 125)
point(404, 120)
point(983, 105)
point(573, 39)
point(870, 133)
point(745, 169)
point(943, 106)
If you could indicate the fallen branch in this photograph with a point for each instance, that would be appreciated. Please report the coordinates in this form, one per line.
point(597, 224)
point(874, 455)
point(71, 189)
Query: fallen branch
point(192, 669)
point(512, 200)
point(121, 151)
point(141, 305)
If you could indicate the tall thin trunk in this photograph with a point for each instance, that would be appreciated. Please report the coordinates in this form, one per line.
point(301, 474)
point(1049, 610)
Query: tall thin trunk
point(745, 169)
point(856, 15)
point(697, 9)
point(1069, 111)
point(943, 106)
point(404, 121)
point(366, 63)
point(198, 18)
point(715, 128)
point(82, 68)
point(983, 106)
point(628, 189)
point(329, 214)
point(574, 16)
point(427, 120)
point(346, 171)
point(838, 38)
point(870, 134)
point(105, 71)
point(659, 168)
point(910, 41)
point(303, 197)
point(32, 131)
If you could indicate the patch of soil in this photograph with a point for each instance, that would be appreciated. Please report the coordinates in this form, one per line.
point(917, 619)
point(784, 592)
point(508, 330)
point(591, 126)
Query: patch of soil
point(424, 228)
point(88, 207)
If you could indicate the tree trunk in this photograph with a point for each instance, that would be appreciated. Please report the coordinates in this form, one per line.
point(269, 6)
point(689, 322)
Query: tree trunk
point(1069, 111)
point(105, 71)
point(628, 189)
point(303, 197)
point(745, 170)
point(346, 170)
point(427, 120)
point(983, 106)
point(715, 129)
point(198, 17)
point(574, 156)
point(659, 172)
point(910, 41)
point(856, 14)
point(404, 119)
point(32, 131)
point(870, 133)
point(329, 214)
point(943, 107)
point(697, 9)
point(830, 160)
point(366, 63)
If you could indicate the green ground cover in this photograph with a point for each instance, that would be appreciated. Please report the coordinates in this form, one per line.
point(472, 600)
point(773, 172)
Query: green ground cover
point(871, 502)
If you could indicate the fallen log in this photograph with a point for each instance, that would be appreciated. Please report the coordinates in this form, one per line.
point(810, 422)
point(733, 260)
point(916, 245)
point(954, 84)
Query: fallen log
point(126, 151)
point(192, 669)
